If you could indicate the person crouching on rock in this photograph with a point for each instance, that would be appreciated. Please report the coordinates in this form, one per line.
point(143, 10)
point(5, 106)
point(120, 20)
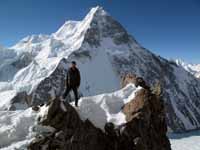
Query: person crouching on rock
point(73, 81)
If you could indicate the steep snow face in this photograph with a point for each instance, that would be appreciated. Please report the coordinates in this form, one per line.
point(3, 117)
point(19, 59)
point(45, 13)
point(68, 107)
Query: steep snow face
point(11, 62)
point(30, 44)
point(97, 74)
point(7, 70)
point(6, 53)
point(192, 68)
point(29, 77)
point(5, 99)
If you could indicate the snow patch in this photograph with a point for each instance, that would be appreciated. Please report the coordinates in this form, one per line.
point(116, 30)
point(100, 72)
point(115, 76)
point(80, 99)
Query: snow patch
point(18, 128)
point(185, 141)
point(5, 99)
point(15, 126)
point(105, 108)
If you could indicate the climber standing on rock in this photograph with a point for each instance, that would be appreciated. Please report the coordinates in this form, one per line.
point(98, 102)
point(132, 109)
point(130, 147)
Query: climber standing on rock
point(73, 81)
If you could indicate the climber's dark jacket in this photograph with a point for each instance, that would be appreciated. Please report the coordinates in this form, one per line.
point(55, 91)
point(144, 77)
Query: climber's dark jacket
point(73, 77)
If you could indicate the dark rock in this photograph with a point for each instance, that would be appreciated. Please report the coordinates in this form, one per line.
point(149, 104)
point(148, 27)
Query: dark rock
point(36, 108)
point(21, 98)
point(71, 131)
point(146, 121)
point(55, 83)
point(132, 78)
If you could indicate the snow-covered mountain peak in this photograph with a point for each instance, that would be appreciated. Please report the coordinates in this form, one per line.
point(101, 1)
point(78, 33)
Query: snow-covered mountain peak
point(97, 29)
point(104, 51)
point(31, 39)
point(192, 68)
point(96, 12)
point(35, 38)
point(70, 26)
point(180, 61)
point(66, 29)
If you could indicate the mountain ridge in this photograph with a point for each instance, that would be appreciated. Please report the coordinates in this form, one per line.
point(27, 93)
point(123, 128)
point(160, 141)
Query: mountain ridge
point(190, 67)
point(104, 51)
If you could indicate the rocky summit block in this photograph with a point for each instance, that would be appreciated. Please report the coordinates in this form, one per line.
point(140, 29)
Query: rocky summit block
point(145, 128)
point(146, 122)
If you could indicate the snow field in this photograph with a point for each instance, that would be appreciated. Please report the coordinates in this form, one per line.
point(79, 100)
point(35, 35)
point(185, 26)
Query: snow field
point(186, 141)
point(18, 128)
point(106, 107)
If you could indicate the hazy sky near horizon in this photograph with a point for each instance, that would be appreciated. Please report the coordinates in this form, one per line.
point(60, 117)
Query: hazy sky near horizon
point(170, 28)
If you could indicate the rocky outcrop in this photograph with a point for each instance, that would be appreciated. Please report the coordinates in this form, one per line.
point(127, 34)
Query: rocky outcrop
point(132, 78)
point(175, 124)
point(145, 128)
point(71, 132)
point(146, 117)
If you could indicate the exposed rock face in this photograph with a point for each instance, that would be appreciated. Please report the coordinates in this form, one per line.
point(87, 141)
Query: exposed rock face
point(145, 128)
point(132, 78)
point(51, 86)
point(146, 117)
point(21, 99)
point(173, 122)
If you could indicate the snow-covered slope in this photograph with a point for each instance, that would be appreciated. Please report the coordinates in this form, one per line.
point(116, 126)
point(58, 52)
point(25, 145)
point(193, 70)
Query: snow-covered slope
point(15, 128)
point(185, 141)
point(11, 62)
point(192, 68)
point(104, 51)
point(105, 108)
point(18, 128)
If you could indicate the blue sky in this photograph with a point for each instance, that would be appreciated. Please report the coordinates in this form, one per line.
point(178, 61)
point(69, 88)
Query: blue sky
point(170, 28)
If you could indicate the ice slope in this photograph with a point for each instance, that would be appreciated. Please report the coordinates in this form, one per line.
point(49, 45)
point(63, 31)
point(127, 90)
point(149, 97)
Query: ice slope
point(5, 99)
point(30, 44)
point(29, 77)
point(17, 128)
point(7, 70)
point(192, 68)
point(97, 74)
